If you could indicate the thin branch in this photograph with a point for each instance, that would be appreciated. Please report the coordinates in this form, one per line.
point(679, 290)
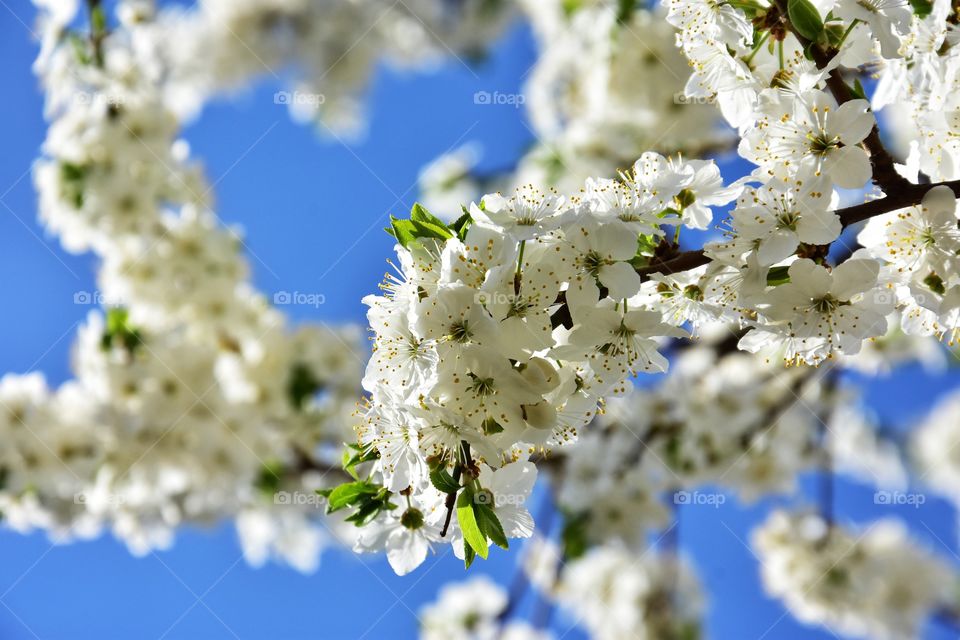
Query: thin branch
point(904, 196)
point(98, 31)
point(885, 175)
point(463, 462)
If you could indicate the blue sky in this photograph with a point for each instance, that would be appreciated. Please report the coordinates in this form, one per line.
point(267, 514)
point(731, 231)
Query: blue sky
point(313, 209)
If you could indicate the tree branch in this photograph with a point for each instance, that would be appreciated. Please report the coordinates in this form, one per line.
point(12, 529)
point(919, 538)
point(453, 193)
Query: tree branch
point(905, 196)
point(885, 175)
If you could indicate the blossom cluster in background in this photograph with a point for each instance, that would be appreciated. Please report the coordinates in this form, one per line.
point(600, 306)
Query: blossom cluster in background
point(548, 320)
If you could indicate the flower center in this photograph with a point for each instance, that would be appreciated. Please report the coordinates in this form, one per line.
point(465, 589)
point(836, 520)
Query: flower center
point(821, 145)
point(826, 304)
point(788, 220)
point(592, 263)
point(482, 387)
point(460, 332)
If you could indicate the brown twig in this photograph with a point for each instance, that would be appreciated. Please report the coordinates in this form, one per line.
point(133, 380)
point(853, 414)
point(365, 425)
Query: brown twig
point(885, 175)
point(907, 195)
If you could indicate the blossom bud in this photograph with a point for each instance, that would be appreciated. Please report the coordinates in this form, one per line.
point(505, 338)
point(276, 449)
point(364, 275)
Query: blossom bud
point(541, 375)
point(542, 415)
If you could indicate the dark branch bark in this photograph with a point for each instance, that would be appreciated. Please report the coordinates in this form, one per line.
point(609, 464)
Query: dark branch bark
point(885, 175)
point(904, 196)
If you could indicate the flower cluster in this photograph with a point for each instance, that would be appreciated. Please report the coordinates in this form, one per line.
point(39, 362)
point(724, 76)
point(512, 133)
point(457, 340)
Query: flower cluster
point(192, 400)
point(501, 332)
point(616, 594)
point(512, 324)
point(608, 85)
point(934, 445)
point(472, 611)
point(919, 250)
point(652, 447)
point(332, 48)
point(874, 584)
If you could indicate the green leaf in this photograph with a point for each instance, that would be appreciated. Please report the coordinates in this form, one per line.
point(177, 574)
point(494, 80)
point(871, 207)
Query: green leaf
point(467, 518)
point(805, 18)
point(370, 506)
point(355, 454)
point(302, 385)
point(420, 214)
point(469, 555)
point(348, 464)
point(423, 229)
point(443, 481)
point(347, 494)
point(625, 10)
point(461, 224)
point(921, 8)
point(365, 514)
point(777, 276)
point(571, 6)
point(403, 231)
point(119, 331)
point(574, 535)
point(408, 232)
point(268, 480)
point(98, 20)
point(935, 284)
point(857, 90)
point(72, 177)
point(490, 525)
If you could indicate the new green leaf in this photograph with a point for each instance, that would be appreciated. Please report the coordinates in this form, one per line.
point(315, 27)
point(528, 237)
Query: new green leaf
point(467, 518)
point(347, 494)
point(490, 525)
point(805, 18)
point(443, 481)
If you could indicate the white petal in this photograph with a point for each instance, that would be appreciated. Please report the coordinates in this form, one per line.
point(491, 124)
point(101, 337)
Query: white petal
point(819, 227)
point(777, 246)
point(848, 167)
point(615, 240)
point(406, 550)
point(853, 277)
point(852, 121)
point(809, 278)
point(621, 279)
